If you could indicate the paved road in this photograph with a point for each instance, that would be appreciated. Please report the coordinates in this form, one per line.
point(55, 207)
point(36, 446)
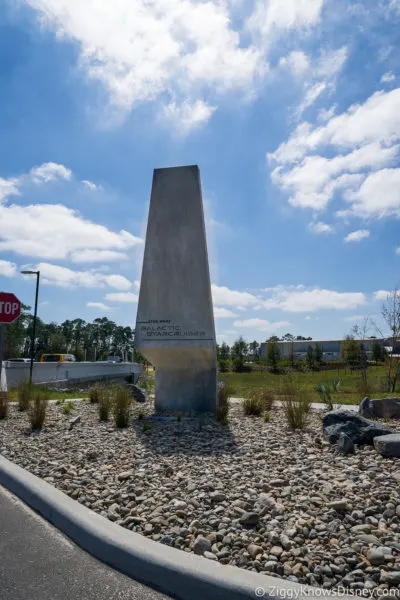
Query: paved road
point(37, 562)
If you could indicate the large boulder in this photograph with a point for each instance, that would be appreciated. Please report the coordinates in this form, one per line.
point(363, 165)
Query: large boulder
point(380, 408)
point(361, 431)
point(388, 445)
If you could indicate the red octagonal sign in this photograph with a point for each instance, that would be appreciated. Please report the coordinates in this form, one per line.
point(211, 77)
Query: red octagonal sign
point(10, 308)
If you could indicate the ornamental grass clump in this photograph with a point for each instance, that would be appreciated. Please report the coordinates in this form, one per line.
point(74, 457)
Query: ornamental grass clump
point(253, 405)
point(267, 399)
point(94, 393)
point(122, 403)
point(3, 404)
point(24, 395)
point(105, 400)
point(37, 409)
point(68, 408)
point(223, 395)
point(296, 403)
point(267, 417)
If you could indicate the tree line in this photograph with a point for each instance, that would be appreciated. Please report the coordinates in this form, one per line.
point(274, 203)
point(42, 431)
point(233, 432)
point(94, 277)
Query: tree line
point(87, 341)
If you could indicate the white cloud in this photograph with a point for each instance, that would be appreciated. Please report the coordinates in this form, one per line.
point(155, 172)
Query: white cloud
point(325, 114)
point(352, 318)
point(381, 294)
point(184, 53)
point(28, 230)
point(186, 116)
point(388, 77)
point(366, 141)
point(97, 256)
point(124, 297)
point(226, 297)
point(290, 298)
point(301, 299)
point(223, 313)
point(89, 184)
point(260, 324)
point(379, 195)
point(7, 268)
point(99, 305)
point(141, 50)
point(320, 227)
point(312, 93)
point(8, 187)
point(322, 77)
point(44, 173)
point(64, 277)
point(377, 120)
point(357, 236)
point(49, 172)
point(297, 62)
point(398, 250)
point(313, 182)
point(284, 14)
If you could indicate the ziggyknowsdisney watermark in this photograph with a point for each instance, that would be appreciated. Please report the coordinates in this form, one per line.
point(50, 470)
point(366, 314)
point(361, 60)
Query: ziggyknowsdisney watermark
point(293, 593)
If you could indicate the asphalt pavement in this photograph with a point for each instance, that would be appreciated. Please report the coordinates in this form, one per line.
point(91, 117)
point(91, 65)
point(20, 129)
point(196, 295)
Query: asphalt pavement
point(37, 562)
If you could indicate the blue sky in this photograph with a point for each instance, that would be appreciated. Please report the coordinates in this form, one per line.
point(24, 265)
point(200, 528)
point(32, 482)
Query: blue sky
point(291, 109)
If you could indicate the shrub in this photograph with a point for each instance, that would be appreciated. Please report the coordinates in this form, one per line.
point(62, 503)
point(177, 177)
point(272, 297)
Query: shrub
point(105, 404)
point(3, 405)
point(24, 394)
point(68, 408)
point(363, 386)
point(37, 412)
point(296, 403)
point(224, 393)
point(325, 391)
point(94, 393)
point(239, 366)
point(122, 403)
point(140, 416)
point(267, 399)
point(267, 417)
point(223, 365)
point(146, 427)
point(253, 405)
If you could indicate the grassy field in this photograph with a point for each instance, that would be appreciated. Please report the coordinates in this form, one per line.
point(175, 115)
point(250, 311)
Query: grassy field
point(244, 384)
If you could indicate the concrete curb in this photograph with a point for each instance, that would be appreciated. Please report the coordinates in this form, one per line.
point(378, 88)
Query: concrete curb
point(182, 575)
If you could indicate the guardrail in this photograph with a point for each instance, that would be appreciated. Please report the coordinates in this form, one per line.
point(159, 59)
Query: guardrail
point(14, 372)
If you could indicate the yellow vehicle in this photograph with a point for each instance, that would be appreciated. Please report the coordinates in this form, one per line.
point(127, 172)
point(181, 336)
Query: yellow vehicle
point(58, 358)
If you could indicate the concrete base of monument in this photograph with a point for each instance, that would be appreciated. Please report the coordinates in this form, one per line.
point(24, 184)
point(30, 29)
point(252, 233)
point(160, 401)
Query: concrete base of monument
point(175, 572)
point(186, 379)
point(186, 390)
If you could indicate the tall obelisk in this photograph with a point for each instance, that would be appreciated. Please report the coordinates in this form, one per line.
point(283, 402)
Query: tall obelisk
point(175, 323)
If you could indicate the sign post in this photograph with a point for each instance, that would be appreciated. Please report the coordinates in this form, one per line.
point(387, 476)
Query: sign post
point(10, 310)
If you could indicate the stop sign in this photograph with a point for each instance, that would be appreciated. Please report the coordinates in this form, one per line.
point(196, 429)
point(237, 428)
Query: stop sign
point(10, 308)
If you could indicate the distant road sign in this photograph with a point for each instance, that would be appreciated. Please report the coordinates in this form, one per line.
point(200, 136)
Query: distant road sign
point(10, 308)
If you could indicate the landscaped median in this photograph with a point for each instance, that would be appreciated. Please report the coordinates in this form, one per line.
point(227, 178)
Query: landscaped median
point(184, 576)
point(254, 495)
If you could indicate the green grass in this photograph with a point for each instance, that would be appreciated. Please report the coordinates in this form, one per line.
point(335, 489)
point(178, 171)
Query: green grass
point(244, 384)
point(53, 395)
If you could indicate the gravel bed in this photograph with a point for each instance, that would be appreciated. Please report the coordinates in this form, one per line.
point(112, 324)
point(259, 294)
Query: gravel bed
point(254, 495)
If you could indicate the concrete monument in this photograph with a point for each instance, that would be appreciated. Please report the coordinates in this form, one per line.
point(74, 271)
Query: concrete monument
point(175, 322)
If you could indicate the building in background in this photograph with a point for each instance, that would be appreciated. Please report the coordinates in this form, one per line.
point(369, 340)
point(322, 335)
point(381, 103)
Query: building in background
point(330, 348)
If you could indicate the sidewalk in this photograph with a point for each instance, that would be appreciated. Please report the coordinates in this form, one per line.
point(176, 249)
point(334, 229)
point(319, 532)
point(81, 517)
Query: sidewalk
point(317, 405)
point(37, 562)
